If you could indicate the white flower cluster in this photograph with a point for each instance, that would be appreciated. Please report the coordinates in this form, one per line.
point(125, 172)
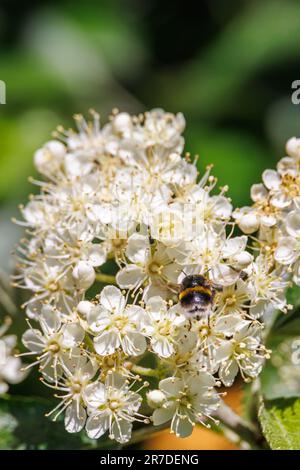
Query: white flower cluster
point(275, 213)
point(10, 366)
point(121, 199)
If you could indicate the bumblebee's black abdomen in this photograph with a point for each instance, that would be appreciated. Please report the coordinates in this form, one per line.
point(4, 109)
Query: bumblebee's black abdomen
point(194, 300)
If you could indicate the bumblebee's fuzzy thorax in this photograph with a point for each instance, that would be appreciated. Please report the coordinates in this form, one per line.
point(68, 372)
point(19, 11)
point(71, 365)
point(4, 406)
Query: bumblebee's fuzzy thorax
point(196, 294)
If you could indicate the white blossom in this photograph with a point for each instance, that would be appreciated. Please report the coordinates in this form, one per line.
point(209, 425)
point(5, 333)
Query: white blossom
point(148, 264)
point(53, 341)
point(243, 352)
point(10, 366)
point(186, 402)
point(111, 407)
point(163, 326)
point(120, 207)
point(116, 325)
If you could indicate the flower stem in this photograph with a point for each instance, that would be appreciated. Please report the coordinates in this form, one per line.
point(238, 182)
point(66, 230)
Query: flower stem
point(237, 429)
point(147, 432)
point(146, 371)
point(106, 278)
point(89, 342)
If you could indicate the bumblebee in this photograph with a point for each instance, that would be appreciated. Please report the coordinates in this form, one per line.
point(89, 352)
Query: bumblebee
point(196, 295)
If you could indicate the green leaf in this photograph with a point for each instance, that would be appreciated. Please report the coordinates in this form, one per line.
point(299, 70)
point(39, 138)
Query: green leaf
point(280, 376)
point(280, 422)
point(23, 425)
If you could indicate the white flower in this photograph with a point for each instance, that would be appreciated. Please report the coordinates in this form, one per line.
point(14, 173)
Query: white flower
point(116, 325)
point(187, 402)
point(150, 264)
point(53, 341)
point(74, 245)
point(138, 198)
point(210, 252)
point(212, 334)
point(164, 326)
point(293, 148)
point(244, 353)
point(10, 366)
point(248, 219)
point(184, 349)
point(123, 195)
point(268, 284)
point(163, 129)
point(234, 299)
point(287, 251)
point(169, 226)
point(112, 407)
point(40, 216)
point(282, 187)
point(261, 214)
point(49, 158)
point(50, 282)
point(76, 375)
point(199, 208)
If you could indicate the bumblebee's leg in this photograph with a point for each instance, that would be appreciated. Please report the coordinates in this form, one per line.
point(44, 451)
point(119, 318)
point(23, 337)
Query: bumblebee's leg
point(217, 287)
point(208, 319)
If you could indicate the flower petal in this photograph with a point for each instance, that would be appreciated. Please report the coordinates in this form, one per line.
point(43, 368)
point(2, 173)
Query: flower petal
point(130, 277)
point(73, 334)
point(134, 344)
point(138, 249)
point(271, 179)
point(33, 340)
point(94, 395)
point(106, 343)
point(162, 415)
point(121, 431)
point(75, 417)
point(112, 299)
point(162, 347)
point(97, 425)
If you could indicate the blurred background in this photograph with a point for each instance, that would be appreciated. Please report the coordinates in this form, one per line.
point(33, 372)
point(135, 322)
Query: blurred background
point(228, 67)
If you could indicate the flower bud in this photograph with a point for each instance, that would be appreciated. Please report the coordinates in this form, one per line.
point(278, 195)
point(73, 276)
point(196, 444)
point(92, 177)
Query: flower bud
point(248, 223)
point(84, 275)
point(84, 307)
point(155, 398)
point(242, 260)
point(122, 124)
point(293, 147)
point(48, 158)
